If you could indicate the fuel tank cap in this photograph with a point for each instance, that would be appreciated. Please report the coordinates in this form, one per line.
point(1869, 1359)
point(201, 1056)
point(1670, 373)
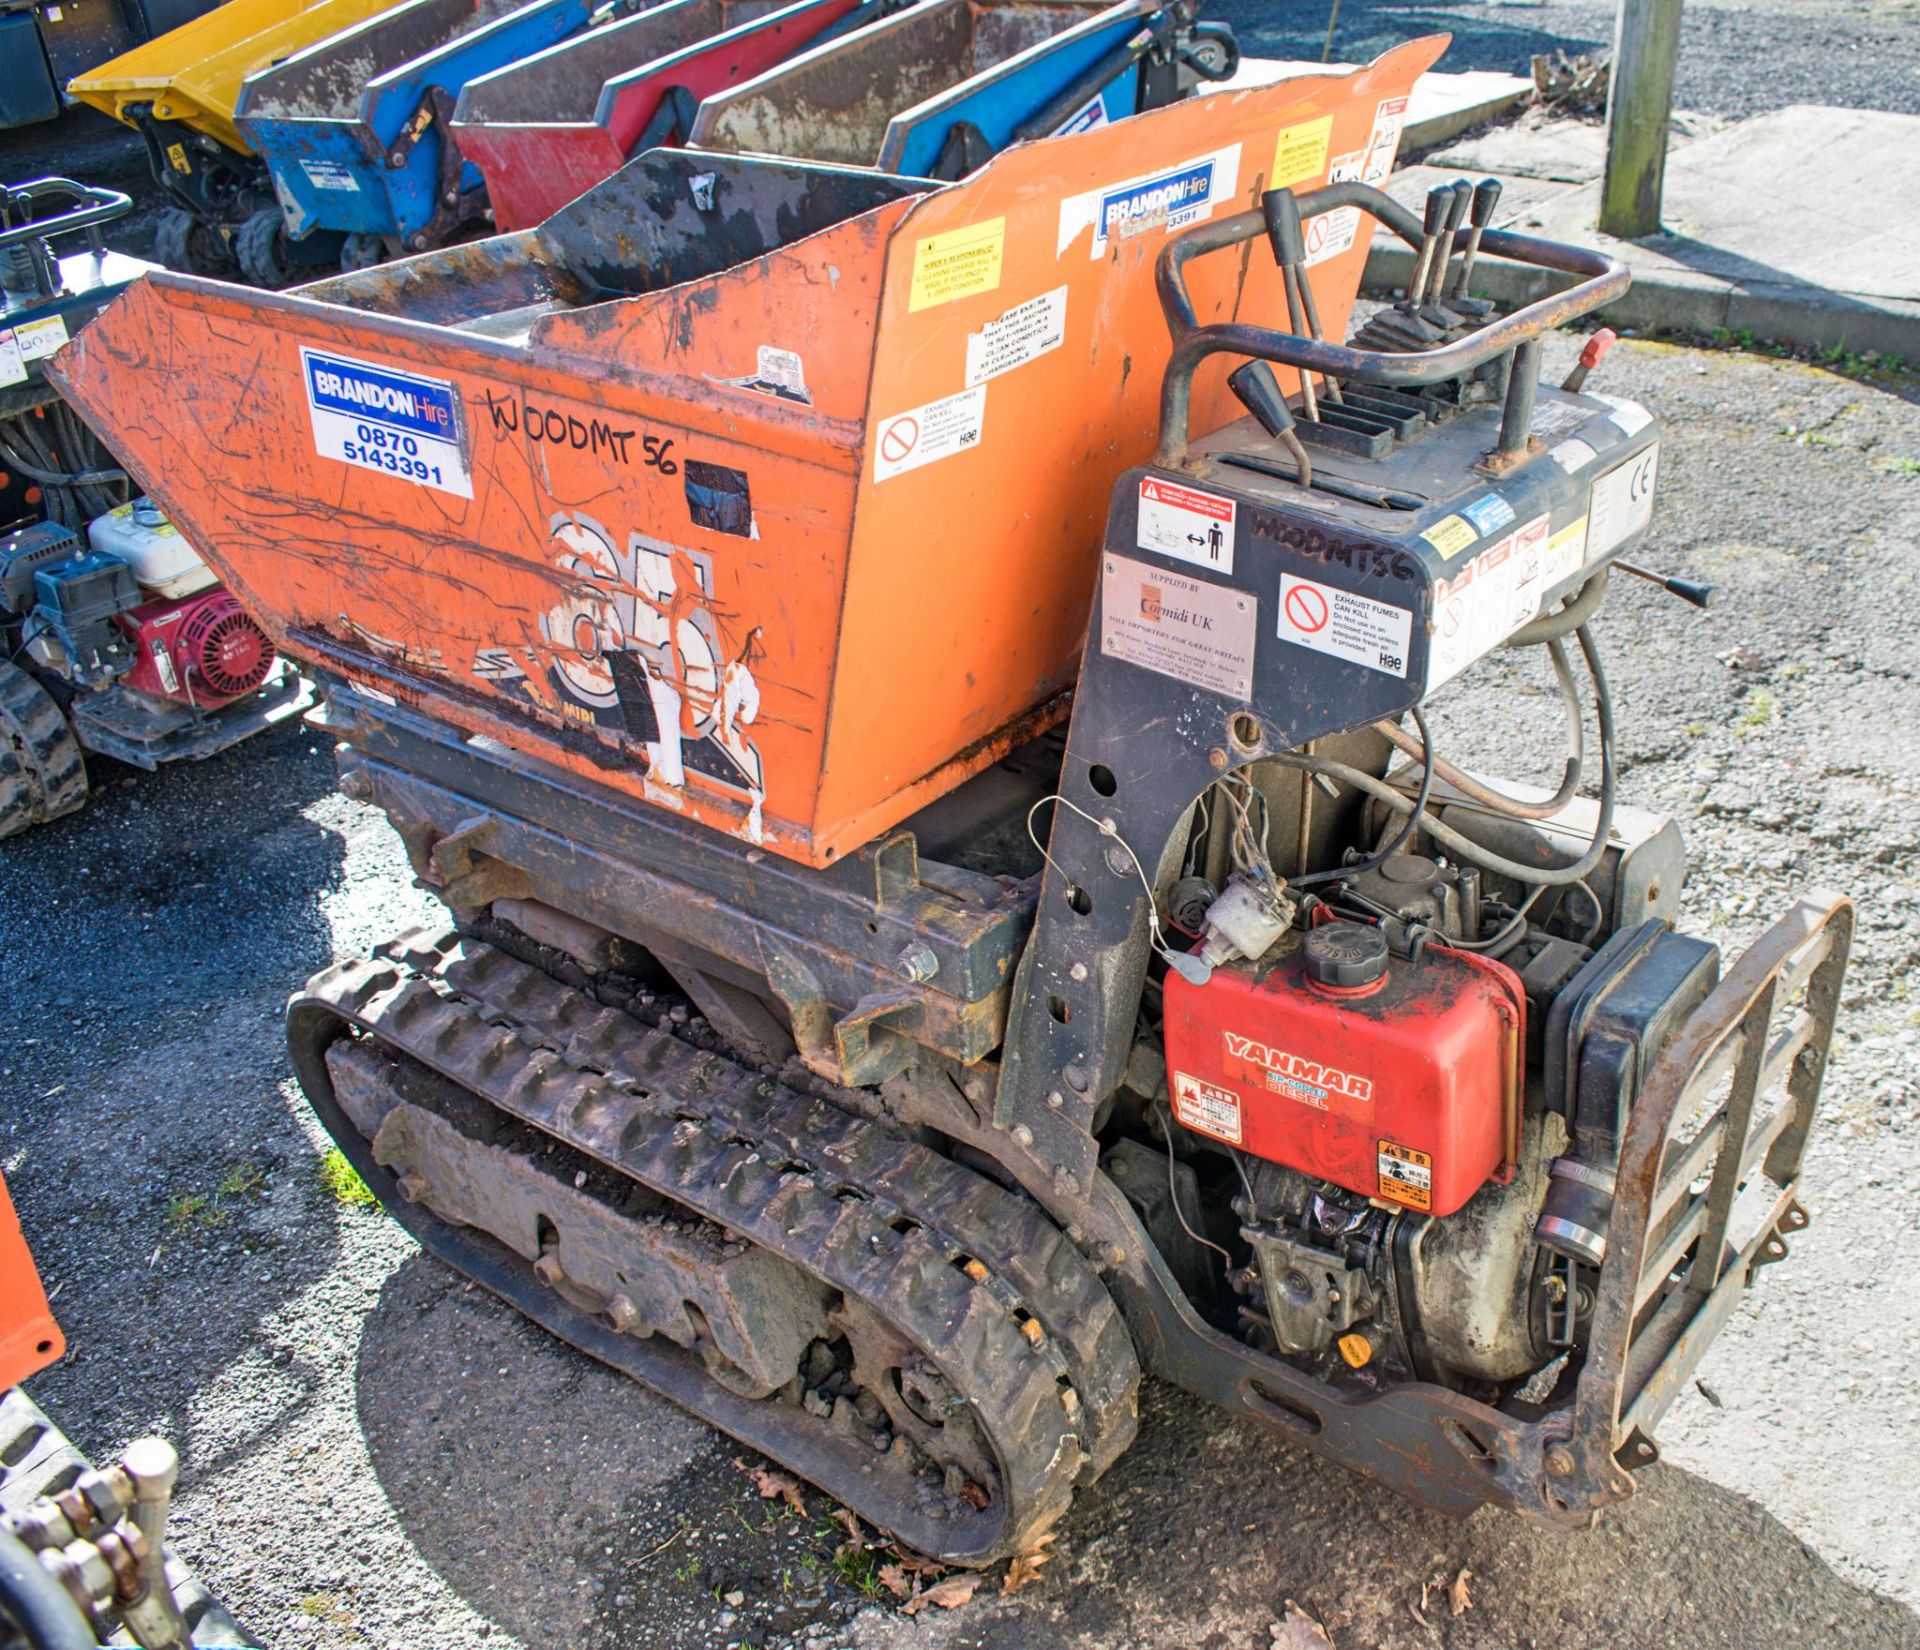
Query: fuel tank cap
point(1345, 954)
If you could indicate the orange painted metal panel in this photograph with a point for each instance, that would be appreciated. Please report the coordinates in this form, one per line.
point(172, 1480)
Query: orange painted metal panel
point(791, 548)
point(29, 1338)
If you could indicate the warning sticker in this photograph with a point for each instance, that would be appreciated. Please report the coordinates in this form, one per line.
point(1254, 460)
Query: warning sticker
point(1451, 535)
point(956, 264)
point(1346, 625)
point(1389, 120)
point(1207, 1107)
point(1332, 233)
point(1406, 1176)
point(1573, 455)
point(1489, 513)
point(1025, 333)
point(1622, 501)
point(330, 174)
point(1552, 418)
point(938, 430)
point(1197, 633)
point(13, 370)
point(38, 339)
point(1567, 551)
point(1184, 522)
point(376, 418)
point(1629, 416)
point(1491, 597)
point(1171, 199)
point(1300, 152)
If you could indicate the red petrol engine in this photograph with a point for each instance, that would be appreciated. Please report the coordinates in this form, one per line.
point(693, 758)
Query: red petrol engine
point(200, 650)
point(1395, 1078)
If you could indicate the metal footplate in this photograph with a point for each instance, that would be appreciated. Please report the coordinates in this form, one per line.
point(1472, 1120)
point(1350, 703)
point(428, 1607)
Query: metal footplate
point(957, 1366)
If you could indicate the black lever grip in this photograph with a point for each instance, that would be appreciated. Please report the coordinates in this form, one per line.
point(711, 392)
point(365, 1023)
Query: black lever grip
point(1485, 198)
point(1259, 392)
point(1285, 234)
point(1439, 204)
point(1462, 199)
point(1690, 591)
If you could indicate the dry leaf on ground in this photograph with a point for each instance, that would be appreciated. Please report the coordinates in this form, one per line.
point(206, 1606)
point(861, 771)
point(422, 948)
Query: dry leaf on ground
point(949, 1594)
point(1458, 1598)
point(894, 1579)
point(1299, 1631)
point(850, 1524)
point(1025, 1568)
point(772, 1484)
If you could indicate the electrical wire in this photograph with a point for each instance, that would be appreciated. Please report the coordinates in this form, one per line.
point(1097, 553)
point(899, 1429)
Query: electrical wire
point(1599, 912)
point(1173, 1195)
point(1181, 961)
point(1405, 833)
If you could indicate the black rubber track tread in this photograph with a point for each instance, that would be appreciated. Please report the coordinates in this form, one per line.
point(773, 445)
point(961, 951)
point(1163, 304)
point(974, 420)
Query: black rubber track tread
point(878, 1218)
point(1008, 1233)
point(48, 775)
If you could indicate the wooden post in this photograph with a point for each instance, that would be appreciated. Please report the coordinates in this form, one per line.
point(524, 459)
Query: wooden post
point(1646, 42)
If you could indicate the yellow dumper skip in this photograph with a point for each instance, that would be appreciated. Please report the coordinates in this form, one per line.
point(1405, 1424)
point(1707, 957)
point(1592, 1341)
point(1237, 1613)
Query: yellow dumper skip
point(192, 74)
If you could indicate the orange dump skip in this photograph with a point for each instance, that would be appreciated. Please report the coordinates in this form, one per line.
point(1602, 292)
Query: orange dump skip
point(789, 541)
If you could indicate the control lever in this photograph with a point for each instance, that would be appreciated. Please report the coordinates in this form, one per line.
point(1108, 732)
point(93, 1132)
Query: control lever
point(1486, 196)
point(1288, 238)
point(1690, 591)
point(1439, 204)
point(1432, 306)
point(1255, 387)
point(1591, 357)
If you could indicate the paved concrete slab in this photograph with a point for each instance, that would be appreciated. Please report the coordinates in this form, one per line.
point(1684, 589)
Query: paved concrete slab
point(1802, 225)
point(1442, 105)
point(1563, 151)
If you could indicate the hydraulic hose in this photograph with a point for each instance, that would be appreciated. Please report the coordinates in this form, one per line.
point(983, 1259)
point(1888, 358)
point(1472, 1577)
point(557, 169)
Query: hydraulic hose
point(1408, 826)
point(37, 1604)
point(1474, 790)
point(1465, 847)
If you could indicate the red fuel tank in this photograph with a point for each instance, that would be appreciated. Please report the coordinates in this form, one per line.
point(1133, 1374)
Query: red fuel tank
point(1399, 1080)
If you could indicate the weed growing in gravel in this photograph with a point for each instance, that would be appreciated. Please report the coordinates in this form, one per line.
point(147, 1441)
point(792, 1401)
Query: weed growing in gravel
point(243, 1180)
point(1760, 709)
point(343, 1182)
point(192, 1209)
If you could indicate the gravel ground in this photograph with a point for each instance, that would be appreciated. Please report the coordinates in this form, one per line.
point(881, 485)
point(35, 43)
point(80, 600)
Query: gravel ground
point(376, 1454)
point(1737, 57)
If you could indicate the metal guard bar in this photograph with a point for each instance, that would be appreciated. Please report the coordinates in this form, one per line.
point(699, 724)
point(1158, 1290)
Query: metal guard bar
point(1605, 279)
point(1653, 1322)
point(97, 206)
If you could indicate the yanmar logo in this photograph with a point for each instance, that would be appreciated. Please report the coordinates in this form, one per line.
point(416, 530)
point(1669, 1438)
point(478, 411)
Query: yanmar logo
point(1289, 1074)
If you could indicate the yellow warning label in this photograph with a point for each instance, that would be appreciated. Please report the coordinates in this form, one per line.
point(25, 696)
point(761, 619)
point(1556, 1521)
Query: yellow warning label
point(1570, 544)
point(957, 264)
point(1300, 152)
point(177, 157)
point(1452, 535)
point(1406, 1176)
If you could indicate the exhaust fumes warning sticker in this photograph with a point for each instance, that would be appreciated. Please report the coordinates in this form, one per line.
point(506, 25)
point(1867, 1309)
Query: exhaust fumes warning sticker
point(1206, 1107)
point(938, 430)
point(1348, 626)
point(1406, 1176)
point(375, 418)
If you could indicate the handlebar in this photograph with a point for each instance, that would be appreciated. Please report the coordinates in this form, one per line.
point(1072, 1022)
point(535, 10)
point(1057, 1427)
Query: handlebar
point(19, 227)
point(1604, 279)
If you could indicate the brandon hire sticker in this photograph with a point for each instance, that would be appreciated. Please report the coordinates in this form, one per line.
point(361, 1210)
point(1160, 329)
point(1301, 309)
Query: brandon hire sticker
point(1177, 520)
point(1198, 633)
point(1347, 625)
point(1207, 1107)
point(938, 430)
point(1170, 199)
point(376, 418)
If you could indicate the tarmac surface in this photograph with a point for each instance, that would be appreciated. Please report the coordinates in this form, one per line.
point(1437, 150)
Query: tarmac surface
point(1737, 57)
point(376, 1454)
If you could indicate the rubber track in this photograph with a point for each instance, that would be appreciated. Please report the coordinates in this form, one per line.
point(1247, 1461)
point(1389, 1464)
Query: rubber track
point(877, 1217)
point(42, 773)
